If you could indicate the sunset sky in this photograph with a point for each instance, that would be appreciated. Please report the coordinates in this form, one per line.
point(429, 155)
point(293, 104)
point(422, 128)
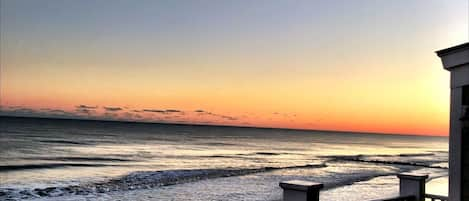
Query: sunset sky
point(361, 65)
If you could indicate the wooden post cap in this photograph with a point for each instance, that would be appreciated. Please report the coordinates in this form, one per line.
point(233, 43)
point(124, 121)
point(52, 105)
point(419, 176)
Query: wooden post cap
point(300, 185)
point(412, 176)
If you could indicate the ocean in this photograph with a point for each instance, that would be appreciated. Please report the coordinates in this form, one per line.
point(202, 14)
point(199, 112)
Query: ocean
point(58, 159)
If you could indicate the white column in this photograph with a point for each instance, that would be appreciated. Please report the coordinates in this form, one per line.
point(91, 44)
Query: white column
point(456, 60)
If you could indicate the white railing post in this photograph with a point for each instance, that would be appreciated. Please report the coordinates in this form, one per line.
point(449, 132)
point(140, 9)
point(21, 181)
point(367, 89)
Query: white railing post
point(297, 190)
point(412, 185)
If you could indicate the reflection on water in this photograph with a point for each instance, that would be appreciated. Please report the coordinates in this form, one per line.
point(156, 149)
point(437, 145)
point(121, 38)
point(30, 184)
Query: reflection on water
point(40, 153)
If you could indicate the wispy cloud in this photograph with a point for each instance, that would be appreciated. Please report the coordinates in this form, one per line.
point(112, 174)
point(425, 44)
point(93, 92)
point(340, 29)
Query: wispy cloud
point(84, 111)
point(24, 110)
point(86, 107)
point(56, 111)
point(43, 112)
point(112, 109)
point(163, 111)
point(153, 110)
point(284, 114)
point(172, 111)
point(229, 118)
point(225, 117)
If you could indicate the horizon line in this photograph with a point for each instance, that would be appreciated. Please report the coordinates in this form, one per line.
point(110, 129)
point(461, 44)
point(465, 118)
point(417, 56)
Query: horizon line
point(223, 125)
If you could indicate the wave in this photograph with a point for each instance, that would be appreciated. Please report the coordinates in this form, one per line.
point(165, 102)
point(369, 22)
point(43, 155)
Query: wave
point(7, 168)
point(411, 155)
point(440, 152)
point(218, 144)
point(268, 153)
point(253, 154)
point(385, 159)
point(265, 153)
point(153, 179)
point(77, 158)
point(140, 180)
point(64, 142)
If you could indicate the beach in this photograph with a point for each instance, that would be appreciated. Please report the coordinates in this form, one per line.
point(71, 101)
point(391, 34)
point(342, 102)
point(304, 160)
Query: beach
point(52, 159)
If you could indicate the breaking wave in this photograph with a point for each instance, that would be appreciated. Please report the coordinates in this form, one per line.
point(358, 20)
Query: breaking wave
point(7, 168)
point(139, 180)
point(153, 179)
point(400, 159)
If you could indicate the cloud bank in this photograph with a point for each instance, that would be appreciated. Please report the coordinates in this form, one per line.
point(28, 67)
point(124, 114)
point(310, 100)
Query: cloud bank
point(84, 111)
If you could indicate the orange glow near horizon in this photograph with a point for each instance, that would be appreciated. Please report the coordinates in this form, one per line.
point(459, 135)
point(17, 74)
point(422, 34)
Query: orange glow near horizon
point(364, 110)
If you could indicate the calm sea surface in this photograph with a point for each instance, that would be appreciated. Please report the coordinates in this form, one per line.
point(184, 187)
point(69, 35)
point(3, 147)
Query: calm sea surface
point(47, 159)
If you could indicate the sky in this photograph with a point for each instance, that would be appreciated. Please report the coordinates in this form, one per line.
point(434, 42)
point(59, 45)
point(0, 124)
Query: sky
point(361, 65)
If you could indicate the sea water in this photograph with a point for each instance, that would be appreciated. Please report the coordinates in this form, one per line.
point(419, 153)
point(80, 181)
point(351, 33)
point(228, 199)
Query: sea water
point(56, 159)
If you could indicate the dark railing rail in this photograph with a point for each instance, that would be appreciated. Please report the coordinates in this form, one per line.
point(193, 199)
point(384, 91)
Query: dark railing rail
point(436, 197)
point(399, 198)
point(411, 188)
